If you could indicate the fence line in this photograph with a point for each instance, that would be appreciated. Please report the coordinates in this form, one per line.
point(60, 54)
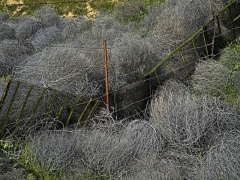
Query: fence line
point(202, 30)
point(91, 104)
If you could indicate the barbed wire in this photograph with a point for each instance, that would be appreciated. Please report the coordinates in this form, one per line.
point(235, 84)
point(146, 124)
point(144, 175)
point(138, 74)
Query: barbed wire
point(44, 3)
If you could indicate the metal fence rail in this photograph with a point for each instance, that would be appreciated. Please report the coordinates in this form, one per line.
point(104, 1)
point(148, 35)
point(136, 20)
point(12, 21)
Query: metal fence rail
point(191, 42)
point(82, 111)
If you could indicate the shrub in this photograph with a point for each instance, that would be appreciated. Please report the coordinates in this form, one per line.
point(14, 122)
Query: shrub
point(47, 16)
point(6, 65)
point(105, 27)
point(4, 16)
point(55, 151)
point(129, 11)
point(6, 32)
point(67, 69)
point(73, 28)
point(219, 78)
point(183, 119)
point(230, 57)
point(173, 163)
point(131, 56)
point(46, 37)
point(211, 78)
point(185, 24)
point(27, 27)
point(11, 54)
point(29, 70)
point(221, 161)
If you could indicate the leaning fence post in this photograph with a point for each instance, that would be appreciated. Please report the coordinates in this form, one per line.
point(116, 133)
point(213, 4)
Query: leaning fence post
point(24, 103)
point(72, 110)
point(184, 61)
point(9, 109)
point(37, 104)
point(232, 21)
point(219, 29)
point(106, 73)
point(4, 94)
point(205, 39)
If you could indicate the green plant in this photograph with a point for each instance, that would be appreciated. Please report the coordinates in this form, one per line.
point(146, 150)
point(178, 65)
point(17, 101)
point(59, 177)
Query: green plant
point(31, 163)
point(6, 145)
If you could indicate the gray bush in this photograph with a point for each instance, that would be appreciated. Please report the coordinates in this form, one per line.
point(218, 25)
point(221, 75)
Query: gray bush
point(27, 27)
point(6, 32)
point(47, 16)
point(107, 28)
point(73, 28)
point(175, 25)
point(131, 57)
point(55, 151)
point(230, 57)
point(212, 78)
point(129, 11)
point(6, 65)
point(11, 54)
point(29, 70)
point(46, 37)
point(4, 16)
point(173, 163)
point(187, 120)
point(67, 69)
point(221, 161)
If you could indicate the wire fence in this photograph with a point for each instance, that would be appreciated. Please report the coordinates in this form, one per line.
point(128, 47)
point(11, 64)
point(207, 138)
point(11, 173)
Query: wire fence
point(208, 36)
point(22, 100)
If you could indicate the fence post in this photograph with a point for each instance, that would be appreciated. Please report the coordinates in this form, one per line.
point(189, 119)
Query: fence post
point(219, 29)
point(213, 36)
point(24, 103)
point(37, 104)
point(9, 109)
point(184, 61)
point(4, 95)
point(205, 39)
point(72, 110)
point(106, 73)
point(232, 21)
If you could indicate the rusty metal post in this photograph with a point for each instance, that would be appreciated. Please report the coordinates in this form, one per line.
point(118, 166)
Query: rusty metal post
point(213, 36)
point(106, 74)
